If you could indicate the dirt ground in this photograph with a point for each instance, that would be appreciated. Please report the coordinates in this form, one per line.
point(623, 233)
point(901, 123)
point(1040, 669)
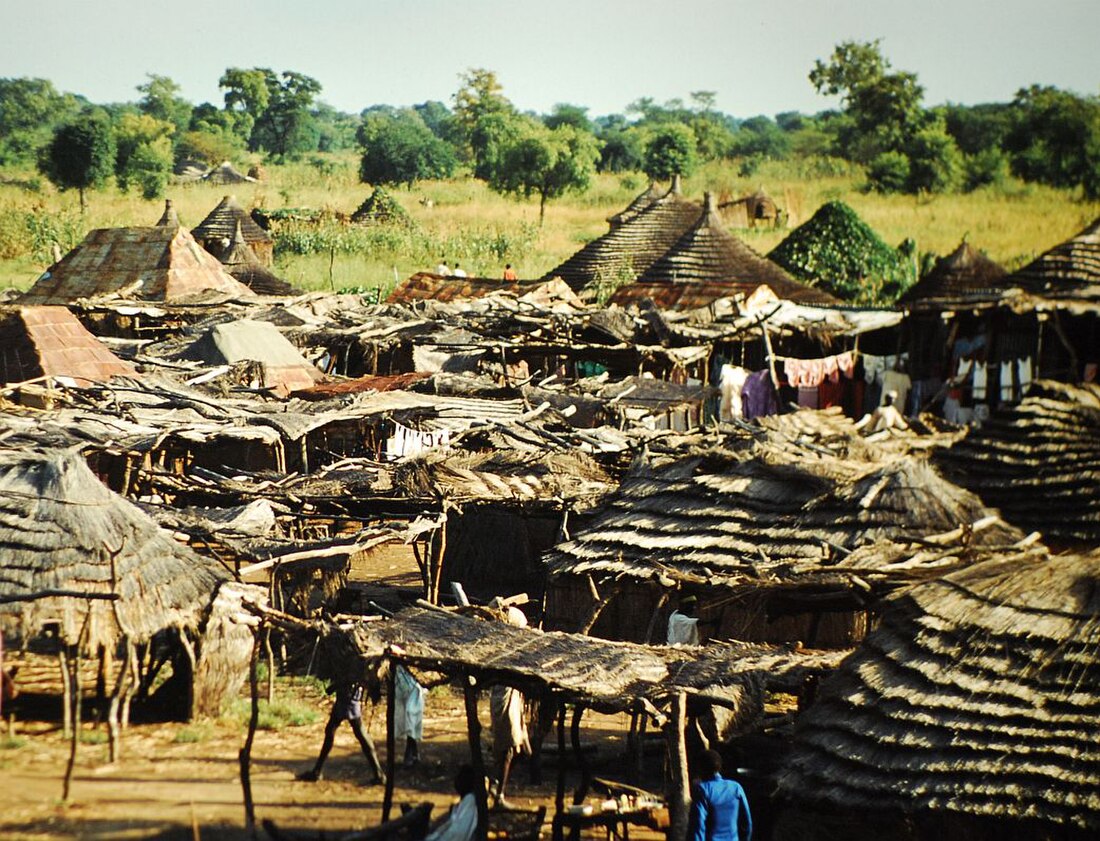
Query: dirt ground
point(174, 776)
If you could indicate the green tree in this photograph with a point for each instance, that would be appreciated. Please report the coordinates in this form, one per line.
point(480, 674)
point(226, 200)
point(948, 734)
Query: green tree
point(884, 107)
point(935, 163)
point(547, 163)
point(81, 155)
point(569, 115)
point(1055, 138)
point(486, 119)
point(161, 99)
point(670, 151)
point(143, 155)
point(398, 148)
point(30, 109)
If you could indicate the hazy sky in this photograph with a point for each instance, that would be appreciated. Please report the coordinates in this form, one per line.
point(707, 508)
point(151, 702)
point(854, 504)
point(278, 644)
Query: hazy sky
point(602, 54)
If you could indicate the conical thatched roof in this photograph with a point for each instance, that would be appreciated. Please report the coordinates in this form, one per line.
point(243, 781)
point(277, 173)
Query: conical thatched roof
point(708, 254)
point(381, 208)
point(977, 696)
point(637, 205)
point(1070, 269)
point(1038, 462)
point(241, 262)
point(226, 173)
point(965, 271)
point(50, 341)
point(838, 252)
point(160, 263)
point(627, 250)
point(62, 530)
point(170, 218)
point(222, 223)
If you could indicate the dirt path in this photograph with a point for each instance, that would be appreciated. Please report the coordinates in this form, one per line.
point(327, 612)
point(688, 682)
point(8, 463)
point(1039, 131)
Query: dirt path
point(172, 774)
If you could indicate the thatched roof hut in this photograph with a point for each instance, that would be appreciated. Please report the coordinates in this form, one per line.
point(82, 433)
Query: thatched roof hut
point(751, 210)
point(226, 173)
point(630, 248)
point(637, 205)
point(160, 263)
point(1069, 270)
point(1038, 462)
point(217, 231)
point(241, 262)
point(708, 254)
point(965, 271)
point(40, 342)
point(971, 712)
point(63, 534)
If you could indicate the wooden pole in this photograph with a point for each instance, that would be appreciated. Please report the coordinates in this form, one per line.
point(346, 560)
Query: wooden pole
point(581, 791)
point(74, 694)
point(559, 797)
point(473, 732)
point(244, 758)
point(437, 577)
point(678, 801)
point(391, 748)
point(121, 686)
point(66, 693)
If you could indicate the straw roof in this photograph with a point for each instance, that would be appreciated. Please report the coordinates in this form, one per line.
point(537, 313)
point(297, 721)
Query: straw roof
point(62, 530)
point(241, 262)
point(226, 173)
point(1071, 269)
point(50, 342)
point(381, 208)
point(1038, 462)
point(977, 695)
point(223, 221)
point(770, 514)
point(633, 246)
point(160, 263)
point(965, 271)
point(708, 254)
point(607, 676)
point(637, 205)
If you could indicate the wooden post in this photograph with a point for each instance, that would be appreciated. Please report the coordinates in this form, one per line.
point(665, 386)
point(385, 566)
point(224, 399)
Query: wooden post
point(437, 561)
point(653, 619)
point(559, 798)
point(391, 748)
point(244, 758)
point(66, 693)
point(581, 791)
point(679, 791)
point(74, 694)
point(121, 686)
point(473, 732)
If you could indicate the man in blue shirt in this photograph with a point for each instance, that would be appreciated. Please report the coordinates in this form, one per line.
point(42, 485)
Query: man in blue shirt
point(719, 808)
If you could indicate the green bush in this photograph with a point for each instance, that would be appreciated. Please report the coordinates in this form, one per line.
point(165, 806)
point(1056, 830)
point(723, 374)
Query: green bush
point(274, 716)
point(25, 233)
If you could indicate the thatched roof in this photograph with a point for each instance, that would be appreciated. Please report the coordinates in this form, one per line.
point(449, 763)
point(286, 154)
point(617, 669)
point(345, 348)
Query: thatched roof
point(1038, 462)
point(241, 262)
point(978, 695)
point(766, 515)
point(965, 271)
point(223, 221)
point(637, 205)
point(226, 173)
point(62, 530)
point(627, 250)
point(607, 676)
point(1071, 269)
point(381, 208)
point(708, 254)
point(50, 342)
point(160, 263)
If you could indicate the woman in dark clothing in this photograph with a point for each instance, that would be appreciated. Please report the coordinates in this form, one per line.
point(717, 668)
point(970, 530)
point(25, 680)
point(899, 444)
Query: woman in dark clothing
point(348, 706)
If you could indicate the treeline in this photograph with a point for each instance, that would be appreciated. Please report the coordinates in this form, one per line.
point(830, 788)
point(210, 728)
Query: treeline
point(1043, 135)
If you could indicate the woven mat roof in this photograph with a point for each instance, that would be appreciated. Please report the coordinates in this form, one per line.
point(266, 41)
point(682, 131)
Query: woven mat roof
point(606, 675)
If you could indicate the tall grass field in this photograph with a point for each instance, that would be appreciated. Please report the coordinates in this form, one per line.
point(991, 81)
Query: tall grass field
point(462, 220)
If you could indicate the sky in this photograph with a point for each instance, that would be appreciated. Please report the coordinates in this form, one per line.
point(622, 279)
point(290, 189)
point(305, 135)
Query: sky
point(601, 54)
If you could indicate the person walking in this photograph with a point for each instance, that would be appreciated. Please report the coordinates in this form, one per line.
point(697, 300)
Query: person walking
point(348, 706)
point(719, 808)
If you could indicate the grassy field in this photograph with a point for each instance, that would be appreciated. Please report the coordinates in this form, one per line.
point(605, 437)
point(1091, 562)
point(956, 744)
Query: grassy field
point(482, 230)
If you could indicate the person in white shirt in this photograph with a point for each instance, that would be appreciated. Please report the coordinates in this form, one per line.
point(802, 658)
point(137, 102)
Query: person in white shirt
point(443, 269)
point(461, 823)
point(507, 713)
point(683, 624)
point(458, 272)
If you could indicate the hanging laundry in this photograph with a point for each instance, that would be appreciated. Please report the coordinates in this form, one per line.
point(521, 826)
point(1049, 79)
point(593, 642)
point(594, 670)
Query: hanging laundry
point(980, 380)
point(758, 397)
point(898, 383)
point(1007, 386)
point(731, 382)
point(1026, 374)
point(810, 373)
point(807, 396)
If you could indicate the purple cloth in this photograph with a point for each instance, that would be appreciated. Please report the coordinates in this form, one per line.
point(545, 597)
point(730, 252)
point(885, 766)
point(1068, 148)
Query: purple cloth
point(758, 396)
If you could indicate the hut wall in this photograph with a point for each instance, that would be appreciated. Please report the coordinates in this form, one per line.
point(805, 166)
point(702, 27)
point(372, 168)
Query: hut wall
point(224, 653)
point(494, 550)
point(628, 615)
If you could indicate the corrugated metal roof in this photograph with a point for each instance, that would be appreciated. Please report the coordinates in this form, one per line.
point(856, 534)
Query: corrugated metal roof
point(425, 286)
point(158, 264)
point(49, 341)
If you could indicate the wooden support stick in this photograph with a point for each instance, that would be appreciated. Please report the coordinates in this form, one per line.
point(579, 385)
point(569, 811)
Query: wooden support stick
point(74, 694)
point(473, 732)
point(391, 747)
point(66, 693)
point(244, 758)
point(559, 798)
point(582, 762)
point(678, 801)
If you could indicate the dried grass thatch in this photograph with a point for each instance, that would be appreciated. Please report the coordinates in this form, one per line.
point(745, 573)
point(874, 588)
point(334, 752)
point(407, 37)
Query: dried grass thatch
point(977, 696)
point(62, 531)
point(1038, 462)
